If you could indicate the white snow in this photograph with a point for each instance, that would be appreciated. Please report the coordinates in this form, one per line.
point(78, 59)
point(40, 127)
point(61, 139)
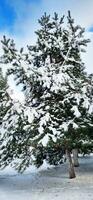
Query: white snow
point(48, 183)
point(76, 111)
point(45, 140)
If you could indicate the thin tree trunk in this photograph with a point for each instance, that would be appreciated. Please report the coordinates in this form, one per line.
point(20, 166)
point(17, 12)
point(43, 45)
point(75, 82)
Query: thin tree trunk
point(75, 157)
point(71, 166)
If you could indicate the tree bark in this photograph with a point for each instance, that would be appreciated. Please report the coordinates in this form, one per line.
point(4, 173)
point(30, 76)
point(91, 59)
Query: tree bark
point(71, 166)
point(75, 157)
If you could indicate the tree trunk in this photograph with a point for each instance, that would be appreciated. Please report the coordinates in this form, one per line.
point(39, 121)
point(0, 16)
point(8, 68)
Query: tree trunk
point(71, 166)
point(75, 157)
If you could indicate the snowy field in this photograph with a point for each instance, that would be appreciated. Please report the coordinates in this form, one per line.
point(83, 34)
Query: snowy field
point(48, 184)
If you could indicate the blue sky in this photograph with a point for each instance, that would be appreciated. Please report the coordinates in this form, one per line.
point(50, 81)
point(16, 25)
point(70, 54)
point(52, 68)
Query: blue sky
point(21, 11)
point(91, 29)
point(7, 15)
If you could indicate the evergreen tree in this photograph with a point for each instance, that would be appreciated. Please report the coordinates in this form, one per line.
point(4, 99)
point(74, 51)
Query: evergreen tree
point(15, 148)
point(56, 86)
point(5, 106)
point(62, 84)
point(4, 97)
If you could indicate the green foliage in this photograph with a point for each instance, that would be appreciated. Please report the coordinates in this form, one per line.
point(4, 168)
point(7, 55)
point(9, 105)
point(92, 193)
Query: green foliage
point(55, 152)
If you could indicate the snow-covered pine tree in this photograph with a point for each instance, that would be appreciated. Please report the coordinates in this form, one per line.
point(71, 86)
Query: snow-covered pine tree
point(55, 84)
point(15, 148)
point(86, 131)
point(5, 106)
point(3, 98)
point(61, 80)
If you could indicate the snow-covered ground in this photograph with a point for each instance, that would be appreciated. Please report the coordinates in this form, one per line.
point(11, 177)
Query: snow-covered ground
point(48, 184)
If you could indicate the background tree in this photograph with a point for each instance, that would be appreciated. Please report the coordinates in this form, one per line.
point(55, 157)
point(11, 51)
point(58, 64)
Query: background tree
point(15, 147)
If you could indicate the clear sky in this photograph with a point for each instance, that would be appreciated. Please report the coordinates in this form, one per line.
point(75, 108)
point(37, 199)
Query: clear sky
point(18, 19)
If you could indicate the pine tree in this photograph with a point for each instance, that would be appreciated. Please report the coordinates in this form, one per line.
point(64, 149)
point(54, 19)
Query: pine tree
point(3, 95)
point(60, 83)
point(5, 106)
point(15, 147)
point(55, 84)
